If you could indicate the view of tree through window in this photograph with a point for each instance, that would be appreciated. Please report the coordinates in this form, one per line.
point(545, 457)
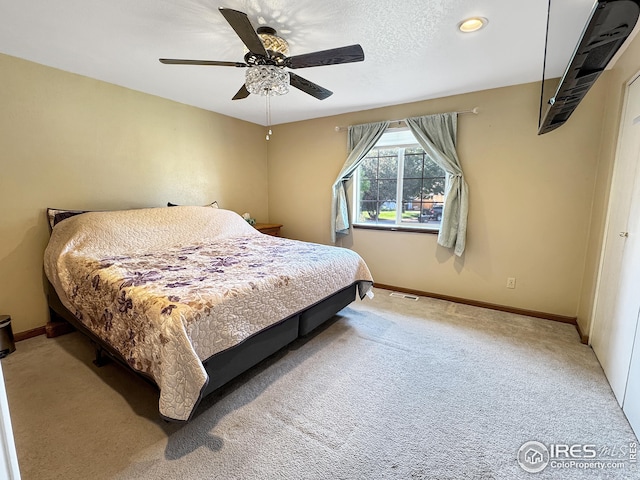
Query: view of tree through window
point(399, 185)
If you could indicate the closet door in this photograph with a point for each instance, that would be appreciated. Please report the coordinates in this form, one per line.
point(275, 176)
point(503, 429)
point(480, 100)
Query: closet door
point(631, 285)
point(618, 301)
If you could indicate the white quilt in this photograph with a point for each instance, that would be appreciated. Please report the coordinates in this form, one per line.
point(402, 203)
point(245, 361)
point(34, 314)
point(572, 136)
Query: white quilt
point(170, 287)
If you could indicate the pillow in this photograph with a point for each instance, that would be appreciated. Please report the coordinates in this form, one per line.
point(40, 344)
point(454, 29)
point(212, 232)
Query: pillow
point(56, 215)
point(212, 205)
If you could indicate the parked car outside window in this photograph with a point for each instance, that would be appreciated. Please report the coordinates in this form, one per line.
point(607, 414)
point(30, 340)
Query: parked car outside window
point(433, 213)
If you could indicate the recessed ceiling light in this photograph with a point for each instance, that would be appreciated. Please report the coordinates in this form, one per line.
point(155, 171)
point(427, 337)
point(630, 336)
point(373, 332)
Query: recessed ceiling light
point(472, 24)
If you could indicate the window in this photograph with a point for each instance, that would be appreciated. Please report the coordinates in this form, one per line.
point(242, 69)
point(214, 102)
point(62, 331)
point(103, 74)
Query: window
point(397, 185)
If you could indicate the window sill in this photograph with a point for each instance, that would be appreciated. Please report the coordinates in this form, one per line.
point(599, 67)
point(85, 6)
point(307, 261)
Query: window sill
point(397, 228)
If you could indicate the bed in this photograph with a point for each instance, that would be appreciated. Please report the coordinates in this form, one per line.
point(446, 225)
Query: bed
point(190, 297)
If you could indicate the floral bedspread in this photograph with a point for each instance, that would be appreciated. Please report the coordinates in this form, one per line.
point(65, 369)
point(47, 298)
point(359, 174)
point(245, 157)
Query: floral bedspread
point(170, 287)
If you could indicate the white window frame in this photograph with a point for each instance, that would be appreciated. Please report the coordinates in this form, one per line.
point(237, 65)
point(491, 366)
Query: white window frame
point(404, 139)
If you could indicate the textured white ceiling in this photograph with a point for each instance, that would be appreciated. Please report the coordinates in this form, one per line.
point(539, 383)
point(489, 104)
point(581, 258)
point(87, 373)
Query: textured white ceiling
point(413, 50)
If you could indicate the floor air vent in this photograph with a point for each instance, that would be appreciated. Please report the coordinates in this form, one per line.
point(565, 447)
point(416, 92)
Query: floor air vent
point(406, 296)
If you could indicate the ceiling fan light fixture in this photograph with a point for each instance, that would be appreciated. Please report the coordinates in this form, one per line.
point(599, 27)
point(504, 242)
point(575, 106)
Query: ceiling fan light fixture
point(472, 24)
point(267, 80)
point(271, 41)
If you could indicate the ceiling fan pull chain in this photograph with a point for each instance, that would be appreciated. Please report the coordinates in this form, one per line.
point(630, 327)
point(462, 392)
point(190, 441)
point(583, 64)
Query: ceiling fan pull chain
point(269, 133)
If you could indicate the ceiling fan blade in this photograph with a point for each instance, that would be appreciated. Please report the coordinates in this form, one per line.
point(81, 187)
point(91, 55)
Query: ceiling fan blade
point(242, 26)
point(176, 61)
point(242, 93)
point(309, 87)
point(351, 53)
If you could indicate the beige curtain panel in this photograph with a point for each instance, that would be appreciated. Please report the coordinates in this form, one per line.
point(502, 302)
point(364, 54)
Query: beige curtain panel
point(437, 136)
point(361, 139)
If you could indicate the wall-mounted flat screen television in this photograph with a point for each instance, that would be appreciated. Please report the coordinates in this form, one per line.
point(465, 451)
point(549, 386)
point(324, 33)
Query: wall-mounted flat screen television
point(606, 25)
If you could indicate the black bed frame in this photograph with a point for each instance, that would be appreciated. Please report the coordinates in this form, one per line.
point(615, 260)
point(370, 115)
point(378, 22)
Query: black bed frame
point(228, 364)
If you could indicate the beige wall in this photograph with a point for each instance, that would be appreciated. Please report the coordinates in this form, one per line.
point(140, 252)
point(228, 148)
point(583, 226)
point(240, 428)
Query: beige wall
point(67, 141)
point(614, 82)
point(509, 169)
point(72, 142)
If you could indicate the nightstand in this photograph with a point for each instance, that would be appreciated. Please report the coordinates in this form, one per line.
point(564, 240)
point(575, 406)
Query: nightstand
point(269, 228)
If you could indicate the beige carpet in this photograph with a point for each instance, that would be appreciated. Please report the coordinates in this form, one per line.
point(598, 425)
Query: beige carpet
point(391, 388)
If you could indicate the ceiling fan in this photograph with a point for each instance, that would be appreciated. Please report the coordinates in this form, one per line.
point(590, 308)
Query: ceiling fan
point(267, 59)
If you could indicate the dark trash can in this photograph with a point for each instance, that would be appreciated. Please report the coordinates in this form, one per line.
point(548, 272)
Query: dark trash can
point(7, 345)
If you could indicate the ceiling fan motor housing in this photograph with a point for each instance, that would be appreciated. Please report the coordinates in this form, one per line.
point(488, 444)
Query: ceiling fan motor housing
point(276, 47)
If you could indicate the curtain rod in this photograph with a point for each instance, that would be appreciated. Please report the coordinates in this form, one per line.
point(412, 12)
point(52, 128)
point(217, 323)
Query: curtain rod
point(474, 110)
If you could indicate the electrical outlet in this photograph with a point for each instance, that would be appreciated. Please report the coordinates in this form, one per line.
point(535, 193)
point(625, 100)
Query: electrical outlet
point(511, 282)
